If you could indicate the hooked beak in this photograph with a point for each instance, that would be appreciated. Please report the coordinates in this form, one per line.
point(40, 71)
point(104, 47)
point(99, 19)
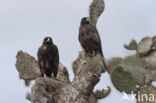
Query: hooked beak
point(87, 19)
point(48, 40)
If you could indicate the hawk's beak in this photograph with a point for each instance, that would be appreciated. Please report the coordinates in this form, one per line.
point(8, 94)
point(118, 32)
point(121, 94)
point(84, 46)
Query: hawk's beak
point(48, 39)
point(87, 19)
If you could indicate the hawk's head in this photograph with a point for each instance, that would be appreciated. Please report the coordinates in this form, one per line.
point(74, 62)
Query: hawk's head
point(47, 40)
point(85, 20)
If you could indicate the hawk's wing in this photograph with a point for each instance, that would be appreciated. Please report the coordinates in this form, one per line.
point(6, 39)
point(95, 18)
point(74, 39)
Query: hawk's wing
point(40, 57)
point(94, 37)
point(56, 55)
point(88, 35)
point(55, 60)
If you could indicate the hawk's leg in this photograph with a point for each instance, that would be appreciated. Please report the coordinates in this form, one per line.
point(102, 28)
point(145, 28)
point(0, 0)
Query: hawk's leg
point(94, 53)
point(44, 75)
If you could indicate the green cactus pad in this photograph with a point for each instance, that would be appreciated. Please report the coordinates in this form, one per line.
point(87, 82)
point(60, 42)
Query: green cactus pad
point(123, 80)
point(132, 45)
point(135, 65)
point(113, 62)
point(144, 46)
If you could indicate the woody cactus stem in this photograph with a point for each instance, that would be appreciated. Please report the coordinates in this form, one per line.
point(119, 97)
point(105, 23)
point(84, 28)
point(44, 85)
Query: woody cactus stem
point(59, 89)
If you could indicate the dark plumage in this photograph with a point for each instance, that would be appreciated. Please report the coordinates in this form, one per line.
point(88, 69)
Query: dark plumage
point(89, 38)
point(48, 58)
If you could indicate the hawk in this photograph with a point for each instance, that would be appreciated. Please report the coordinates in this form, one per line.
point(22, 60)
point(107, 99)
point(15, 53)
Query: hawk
point(48, 58)
point(89, 39)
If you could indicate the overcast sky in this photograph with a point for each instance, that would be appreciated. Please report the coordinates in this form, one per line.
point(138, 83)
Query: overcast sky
point(24, 24)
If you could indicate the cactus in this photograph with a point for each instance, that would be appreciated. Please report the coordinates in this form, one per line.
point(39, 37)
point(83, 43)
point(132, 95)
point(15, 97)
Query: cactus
point(132, 45)
point(113, 62)
point(134, 64)
point(100, 94)
point(123, 80)
point(144, 46)
point(150, 92)
point(154, 42)
point(139, 69)
point(150, 61)
point(128, 73)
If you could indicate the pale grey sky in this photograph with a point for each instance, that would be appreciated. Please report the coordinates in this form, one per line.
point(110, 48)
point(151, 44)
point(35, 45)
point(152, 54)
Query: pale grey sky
point(24, 24)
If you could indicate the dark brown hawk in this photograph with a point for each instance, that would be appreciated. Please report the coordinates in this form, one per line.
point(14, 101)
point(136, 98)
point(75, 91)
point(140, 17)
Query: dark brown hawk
point(48, 58)
point(89, 39)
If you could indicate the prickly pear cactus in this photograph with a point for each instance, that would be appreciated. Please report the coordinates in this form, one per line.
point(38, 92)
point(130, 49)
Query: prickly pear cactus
point(149, 91)
point(135, 65)
point(128, 73)
point(132, 45)
point(154, 42)
point(139, 69)
point(113, 62)
point(144, 46)
point(150, 61)
point(100, 94)
point(123, 80)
